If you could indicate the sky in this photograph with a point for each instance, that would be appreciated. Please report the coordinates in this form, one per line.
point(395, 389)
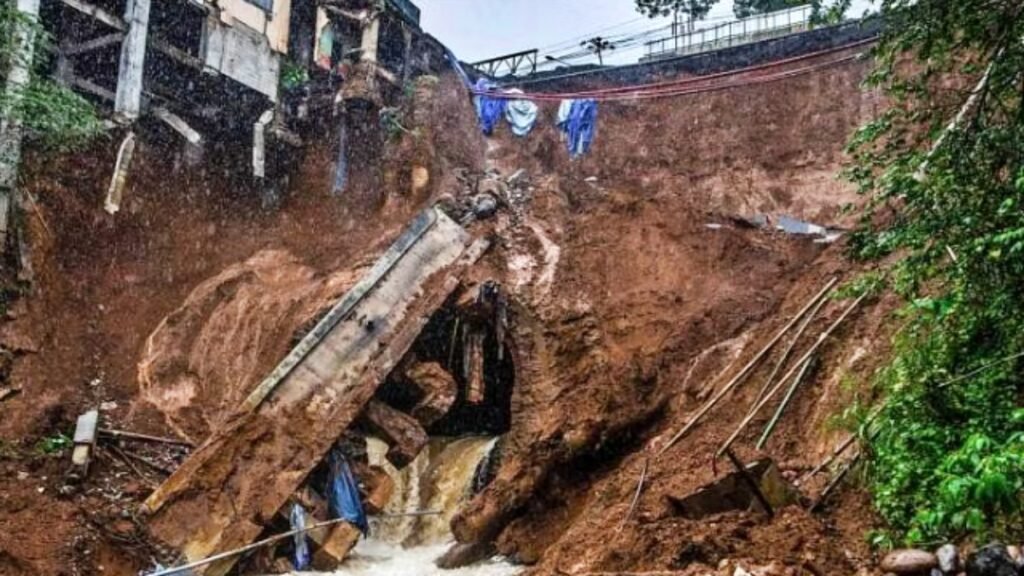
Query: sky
point(479, 29)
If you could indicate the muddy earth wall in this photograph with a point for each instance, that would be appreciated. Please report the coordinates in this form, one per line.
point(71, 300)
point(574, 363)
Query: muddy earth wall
point(631, 283)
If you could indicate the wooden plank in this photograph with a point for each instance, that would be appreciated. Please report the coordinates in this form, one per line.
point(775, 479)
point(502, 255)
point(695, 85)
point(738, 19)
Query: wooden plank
point(177, 54)
point(177, 123)
point(225, 493)
point(97, 13)
point(128, 101)
point(93, 88)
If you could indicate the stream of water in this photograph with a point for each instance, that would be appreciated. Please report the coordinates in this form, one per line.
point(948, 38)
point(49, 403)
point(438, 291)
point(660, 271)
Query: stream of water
point(439, 479)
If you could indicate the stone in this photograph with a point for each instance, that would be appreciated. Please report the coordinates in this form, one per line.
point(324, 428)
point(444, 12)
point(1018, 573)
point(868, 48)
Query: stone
point(949, 558)
point(992, 560)
point(484, 205)
point(1015, 553)
point(420, 178)
point(460, 555)
point(909, 561)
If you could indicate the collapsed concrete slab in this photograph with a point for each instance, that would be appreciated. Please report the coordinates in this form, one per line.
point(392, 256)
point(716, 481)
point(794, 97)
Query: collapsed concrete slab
point(231, 487)
point(731, 492)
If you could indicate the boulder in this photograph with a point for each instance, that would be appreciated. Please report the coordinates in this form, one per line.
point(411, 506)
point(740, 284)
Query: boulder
point(992, 560)
point(909, 561)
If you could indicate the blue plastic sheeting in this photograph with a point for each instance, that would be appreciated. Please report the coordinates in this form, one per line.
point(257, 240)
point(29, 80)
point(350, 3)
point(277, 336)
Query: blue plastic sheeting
point(521, 115)
point(580, 126)
point(300, 556)
point(488, 110)
point(343, 493)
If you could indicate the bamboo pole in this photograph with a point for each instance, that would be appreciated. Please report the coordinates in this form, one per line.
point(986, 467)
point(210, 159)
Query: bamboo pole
point(785, 402)
point(821, 340)
point(835, 481)
point(144, 437)
point(636, 494)
point(789, 350)
point(273, 539)
point(746, 369)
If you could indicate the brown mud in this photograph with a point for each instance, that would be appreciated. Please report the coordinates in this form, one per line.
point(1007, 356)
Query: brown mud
point(625, 307)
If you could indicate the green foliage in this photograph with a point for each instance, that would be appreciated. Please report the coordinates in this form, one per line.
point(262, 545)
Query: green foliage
point(50, 115)
point(694, 9)
point(293, 75)
point(53, 444)
point(945, 205)
point(746, 8)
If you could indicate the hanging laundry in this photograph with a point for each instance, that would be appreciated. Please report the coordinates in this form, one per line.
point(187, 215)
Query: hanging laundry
point(457, 66)
point(300, 555)
point(520, 114)
point(564, 108)
point(343, 493)
point(488, 110)
point(580, 126)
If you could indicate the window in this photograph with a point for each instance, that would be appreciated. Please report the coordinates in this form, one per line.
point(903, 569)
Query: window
point(266, 5)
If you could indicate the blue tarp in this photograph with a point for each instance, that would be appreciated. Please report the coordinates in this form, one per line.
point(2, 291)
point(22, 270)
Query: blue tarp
point(488, 110)
point(581, 126)
point(343, 493)
point(300, 556)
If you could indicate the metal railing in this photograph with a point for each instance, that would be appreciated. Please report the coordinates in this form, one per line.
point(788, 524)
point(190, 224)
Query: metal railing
point(735, 33)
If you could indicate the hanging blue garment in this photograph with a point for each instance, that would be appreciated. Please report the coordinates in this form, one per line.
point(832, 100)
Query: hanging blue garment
point(343, 493)
point(581, 126)
point(300, 556)
point(489, 110)
point(520, 114)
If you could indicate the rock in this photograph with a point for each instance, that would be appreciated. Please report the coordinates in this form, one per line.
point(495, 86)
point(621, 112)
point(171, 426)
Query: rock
point(460, 555)
point(1015, 553)
point(490, 187)
point(949, 558)
point(992, 560)
point(420, 178)
point(484, 205)
point(909, 562)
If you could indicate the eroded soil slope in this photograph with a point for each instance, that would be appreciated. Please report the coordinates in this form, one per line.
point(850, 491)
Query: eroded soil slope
point(632, 286)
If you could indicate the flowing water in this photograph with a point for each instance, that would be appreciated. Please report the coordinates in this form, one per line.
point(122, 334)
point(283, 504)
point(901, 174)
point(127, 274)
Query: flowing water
point(440, 478)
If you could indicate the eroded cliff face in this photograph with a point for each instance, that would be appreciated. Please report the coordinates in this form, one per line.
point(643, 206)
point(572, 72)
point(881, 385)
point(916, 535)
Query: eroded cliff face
point(632, 282)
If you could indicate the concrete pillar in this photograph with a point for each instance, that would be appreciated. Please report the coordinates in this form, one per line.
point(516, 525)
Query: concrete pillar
point(128, 102)
point(10, 128)
point(371, 38)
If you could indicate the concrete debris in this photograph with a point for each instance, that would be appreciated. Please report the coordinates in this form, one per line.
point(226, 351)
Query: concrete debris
point(115, 192)
point(484, 205)
point(85, 440)
point(404, 435)
point(731, 492)
point(438, 391)
point(909, 561)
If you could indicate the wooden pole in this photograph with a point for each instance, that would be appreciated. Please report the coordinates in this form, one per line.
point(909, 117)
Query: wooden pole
point(746, 369)
point(752, 482)
point(821, 340)
point(835, 481)
point(128, 100)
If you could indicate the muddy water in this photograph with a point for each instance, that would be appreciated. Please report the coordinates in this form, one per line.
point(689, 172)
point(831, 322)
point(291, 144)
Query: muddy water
point(439, 479)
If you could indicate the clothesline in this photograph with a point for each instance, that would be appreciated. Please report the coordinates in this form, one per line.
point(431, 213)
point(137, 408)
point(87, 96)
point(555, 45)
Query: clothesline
point(686, 86)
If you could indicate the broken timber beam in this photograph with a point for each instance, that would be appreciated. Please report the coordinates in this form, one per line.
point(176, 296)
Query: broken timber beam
point(242, 475)
point(438, 388)
point(403, 434)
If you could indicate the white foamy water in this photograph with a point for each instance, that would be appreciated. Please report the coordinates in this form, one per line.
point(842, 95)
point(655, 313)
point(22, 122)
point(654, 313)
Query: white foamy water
point(439, 479)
